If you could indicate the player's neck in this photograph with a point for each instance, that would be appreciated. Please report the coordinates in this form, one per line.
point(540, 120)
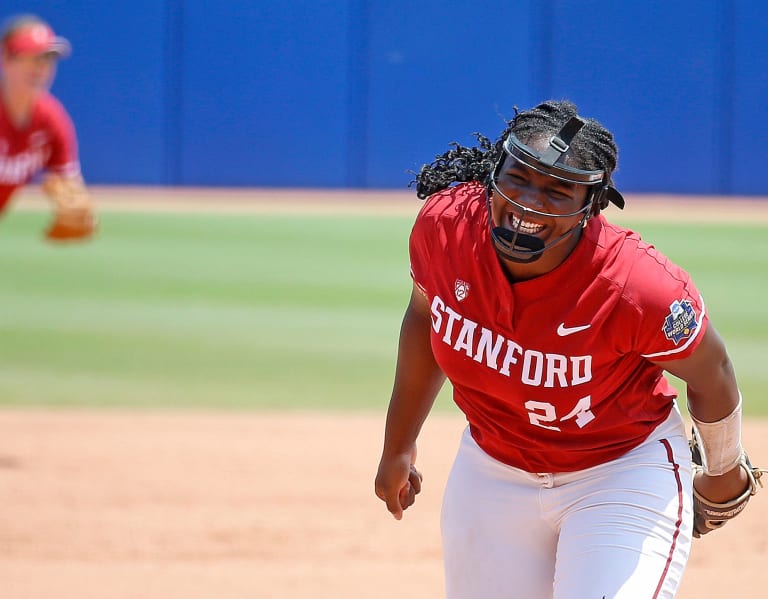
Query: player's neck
point(18, 106)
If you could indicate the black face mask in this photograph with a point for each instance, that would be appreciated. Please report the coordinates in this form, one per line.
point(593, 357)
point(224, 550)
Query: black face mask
point(512, 244)
point(516, 246)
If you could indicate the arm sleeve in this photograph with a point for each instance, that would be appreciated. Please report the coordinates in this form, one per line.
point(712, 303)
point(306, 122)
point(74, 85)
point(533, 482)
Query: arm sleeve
point(672, 315)
point(419, 246)
point(63, 158)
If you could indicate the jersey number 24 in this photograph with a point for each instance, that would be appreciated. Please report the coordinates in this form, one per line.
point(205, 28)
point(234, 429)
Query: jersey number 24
point(540, 413)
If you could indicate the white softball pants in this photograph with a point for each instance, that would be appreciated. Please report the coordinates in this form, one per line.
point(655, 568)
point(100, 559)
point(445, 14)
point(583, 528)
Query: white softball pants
point(620, 530)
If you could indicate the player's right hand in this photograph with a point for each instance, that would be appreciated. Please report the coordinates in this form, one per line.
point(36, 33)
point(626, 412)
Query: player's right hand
point(398, 481)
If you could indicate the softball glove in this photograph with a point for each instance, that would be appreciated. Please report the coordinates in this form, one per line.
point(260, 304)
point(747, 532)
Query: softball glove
point(709, 515)
point(74, 218)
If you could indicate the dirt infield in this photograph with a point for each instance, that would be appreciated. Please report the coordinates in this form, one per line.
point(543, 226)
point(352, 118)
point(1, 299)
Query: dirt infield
point(108, 505)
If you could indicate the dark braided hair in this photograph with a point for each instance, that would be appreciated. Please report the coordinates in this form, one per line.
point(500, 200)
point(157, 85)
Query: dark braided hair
point(593, 148)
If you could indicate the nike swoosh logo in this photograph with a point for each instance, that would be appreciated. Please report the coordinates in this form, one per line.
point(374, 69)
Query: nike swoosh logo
point(564, 331)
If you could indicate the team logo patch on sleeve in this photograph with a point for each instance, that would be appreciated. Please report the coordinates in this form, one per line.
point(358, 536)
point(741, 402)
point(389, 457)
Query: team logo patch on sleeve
point(461, 290)
point(681, 321)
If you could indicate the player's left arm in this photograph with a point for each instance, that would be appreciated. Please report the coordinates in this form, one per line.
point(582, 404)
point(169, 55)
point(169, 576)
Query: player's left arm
point(725, 480)
point(74, 216)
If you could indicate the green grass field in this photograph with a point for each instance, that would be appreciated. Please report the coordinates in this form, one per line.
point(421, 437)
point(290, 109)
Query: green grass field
point(269, 311)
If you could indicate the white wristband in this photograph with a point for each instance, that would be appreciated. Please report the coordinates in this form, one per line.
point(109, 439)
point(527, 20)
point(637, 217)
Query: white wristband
point(720, 442)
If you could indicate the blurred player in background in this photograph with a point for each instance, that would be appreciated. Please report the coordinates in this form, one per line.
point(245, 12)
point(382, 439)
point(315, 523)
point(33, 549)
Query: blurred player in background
point(36, 133)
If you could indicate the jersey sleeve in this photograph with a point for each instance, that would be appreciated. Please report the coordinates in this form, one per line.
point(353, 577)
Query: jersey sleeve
point(63, 158)
point(672, 315)
point(419, 247)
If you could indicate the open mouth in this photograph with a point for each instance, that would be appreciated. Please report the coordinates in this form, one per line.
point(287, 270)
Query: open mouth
point(524, 226)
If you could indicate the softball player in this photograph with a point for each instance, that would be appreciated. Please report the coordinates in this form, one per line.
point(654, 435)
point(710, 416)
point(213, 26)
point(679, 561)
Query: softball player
point(36, 133)
point(574, 476)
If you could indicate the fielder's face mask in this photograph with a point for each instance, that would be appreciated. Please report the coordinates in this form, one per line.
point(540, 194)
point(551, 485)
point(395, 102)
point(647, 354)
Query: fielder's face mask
point(516, 246)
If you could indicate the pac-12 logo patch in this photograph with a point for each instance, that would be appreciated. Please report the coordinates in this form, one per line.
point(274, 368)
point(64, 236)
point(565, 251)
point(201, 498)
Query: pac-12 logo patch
point(461, 290)
point(681, 321)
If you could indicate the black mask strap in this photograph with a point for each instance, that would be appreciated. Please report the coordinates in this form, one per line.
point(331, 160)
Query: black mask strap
point(559, 144)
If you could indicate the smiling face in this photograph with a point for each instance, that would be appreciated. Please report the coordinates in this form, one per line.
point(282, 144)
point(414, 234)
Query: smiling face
point(540, 206)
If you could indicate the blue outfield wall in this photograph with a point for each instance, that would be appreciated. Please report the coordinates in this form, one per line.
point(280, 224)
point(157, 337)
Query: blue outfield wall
point(349, 93)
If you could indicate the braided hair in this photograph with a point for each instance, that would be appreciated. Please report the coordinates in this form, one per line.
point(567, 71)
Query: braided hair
point(592, 149)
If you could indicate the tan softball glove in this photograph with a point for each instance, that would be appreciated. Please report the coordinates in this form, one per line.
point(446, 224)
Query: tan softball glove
point(74, 218)
point(709, 515)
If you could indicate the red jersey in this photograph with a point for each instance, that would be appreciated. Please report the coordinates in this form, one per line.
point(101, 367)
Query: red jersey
point(47, 142)
point(553, 373)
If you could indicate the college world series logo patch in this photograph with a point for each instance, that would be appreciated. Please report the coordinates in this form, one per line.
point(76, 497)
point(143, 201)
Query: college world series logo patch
point(681, 321)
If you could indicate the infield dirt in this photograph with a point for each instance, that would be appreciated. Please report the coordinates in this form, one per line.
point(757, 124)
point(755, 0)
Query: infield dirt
point(204, 505)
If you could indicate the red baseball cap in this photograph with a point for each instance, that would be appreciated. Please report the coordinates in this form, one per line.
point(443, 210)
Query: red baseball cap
point(36, 38)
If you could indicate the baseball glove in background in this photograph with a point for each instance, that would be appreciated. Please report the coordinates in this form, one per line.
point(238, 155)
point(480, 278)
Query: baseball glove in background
point(74, 219)
point(709, 515)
